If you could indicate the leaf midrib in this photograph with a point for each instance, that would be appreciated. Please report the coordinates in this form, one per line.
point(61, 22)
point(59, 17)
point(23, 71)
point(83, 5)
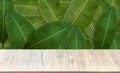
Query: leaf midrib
point(49, 37)
point(65, 2)
point(3, 19)
point(50, 11)
point(79, 11)
point(19, 28)
point(26, 6)
point(108, 23)
point(113, 2)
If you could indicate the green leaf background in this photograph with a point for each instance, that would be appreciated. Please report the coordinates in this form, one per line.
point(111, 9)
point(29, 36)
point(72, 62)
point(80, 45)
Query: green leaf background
point(18, 28)
point(6, 6)
point(83, 18)
point(105, 27)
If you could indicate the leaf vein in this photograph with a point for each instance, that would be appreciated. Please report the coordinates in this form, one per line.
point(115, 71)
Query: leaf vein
point(106, 29)
point(79, 12)
point(55, 18)
point(49, 37)
point(19, 29)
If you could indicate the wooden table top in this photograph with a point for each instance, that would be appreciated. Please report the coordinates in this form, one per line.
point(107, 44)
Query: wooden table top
point(60, 60)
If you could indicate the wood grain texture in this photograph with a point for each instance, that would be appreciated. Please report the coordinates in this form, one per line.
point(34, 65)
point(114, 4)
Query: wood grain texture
point(56, 60)
point(55, 72)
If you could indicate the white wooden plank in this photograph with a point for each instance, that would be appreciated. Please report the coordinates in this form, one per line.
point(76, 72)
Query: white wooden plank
point(59, 60)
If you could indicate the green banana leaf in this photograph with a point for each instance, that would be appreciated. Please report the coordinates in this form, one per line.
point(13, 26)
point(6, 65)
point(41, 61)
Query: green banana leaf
point(29, 9)
point(91, 28)
point(81, 12)
point(49, 36)
point(36, 21)
point(18, 29)
point(116, 4)
point(51, 10)
point(105, 27)
point(88, 23)
point(5, 6)
point(112, 2)
point(116, 41)
point(75, 40)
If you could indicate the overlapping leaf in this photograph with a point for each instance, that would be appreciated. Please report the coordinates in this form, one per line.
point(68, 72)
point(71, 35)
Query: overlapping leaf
point(5, 6)
point(75, 40)
point(89, 31)
point(116, 4)
point(51, 10)
point(105, 27)
point(18, 29)
point(49, 36)
point(96, 21)
point(81, 12)
point(57, 35)
point(29, 9)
